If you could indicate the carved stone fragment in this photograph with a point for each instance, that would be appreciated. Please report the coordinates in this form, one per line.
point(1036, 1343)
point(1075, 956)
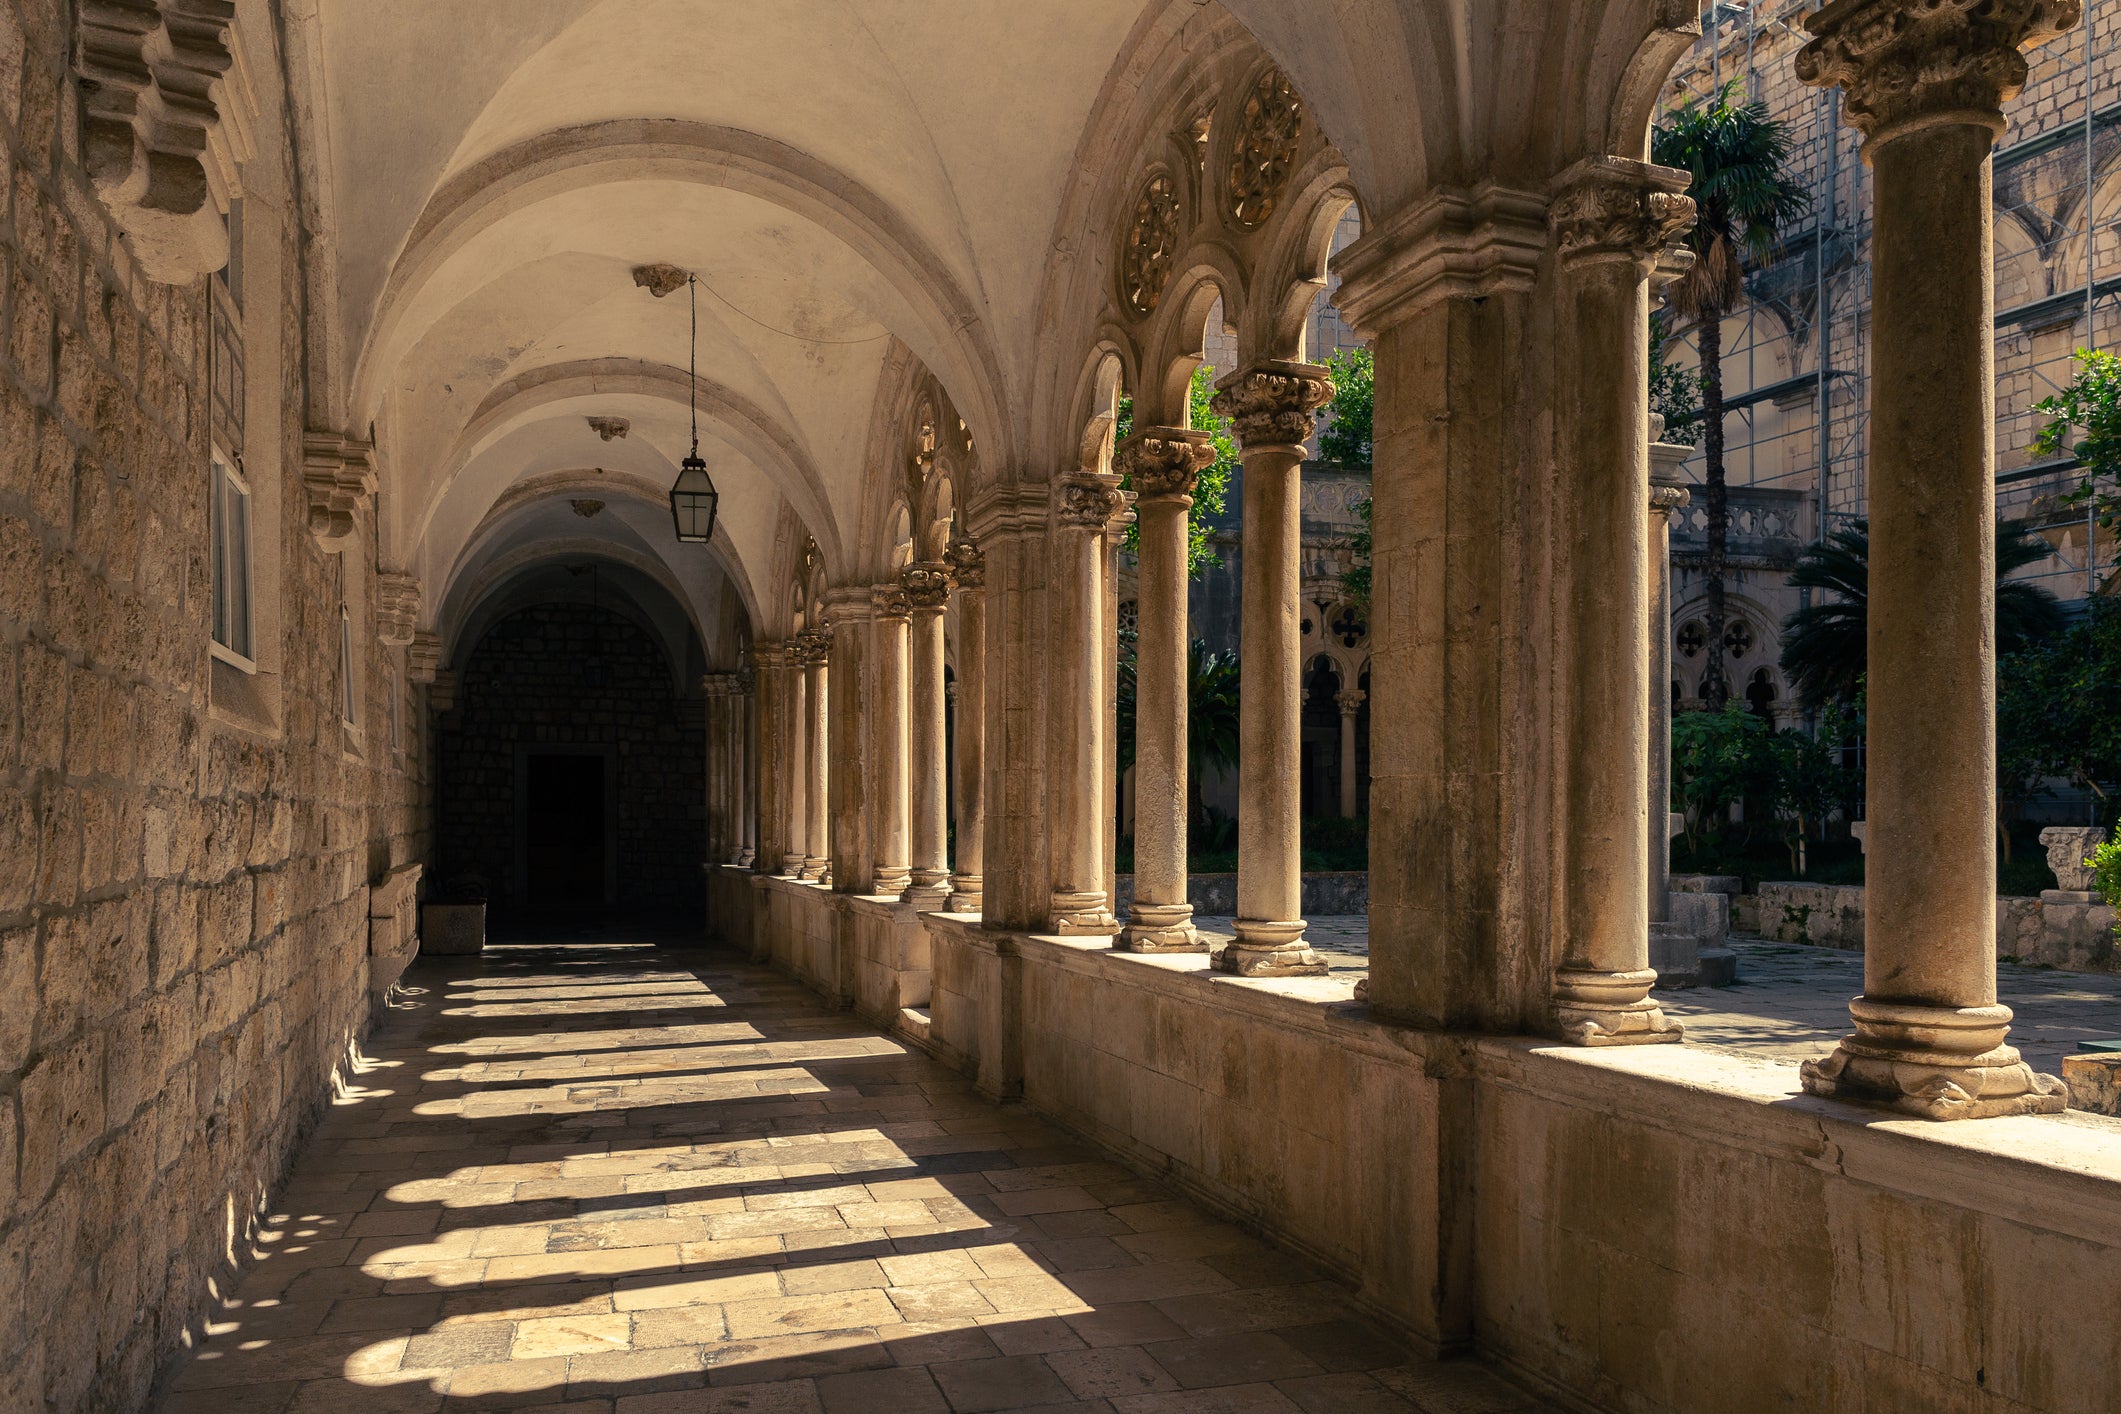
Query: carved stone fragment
point(338, 474)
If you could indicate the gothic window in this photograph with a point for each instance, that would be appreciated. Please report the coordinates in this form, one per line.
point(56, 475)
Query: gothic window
point(1691, 637)
point(229, 513)
point(1738, 638)
point(1348, 626)
point(1130, 618)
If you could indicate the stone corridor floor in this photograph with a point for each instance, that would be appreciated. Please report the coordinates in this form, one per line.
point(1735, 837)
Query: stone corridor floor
point(614, 1177)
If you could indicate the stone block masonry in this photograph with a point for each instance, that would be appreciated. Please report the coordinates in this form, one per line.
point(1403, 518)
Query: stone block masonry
point(184, 918)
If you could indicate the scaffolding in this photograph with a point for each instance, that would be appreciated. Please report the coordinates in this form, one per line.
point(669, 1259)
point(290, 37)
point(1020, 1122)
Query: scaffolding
point(1796, 353)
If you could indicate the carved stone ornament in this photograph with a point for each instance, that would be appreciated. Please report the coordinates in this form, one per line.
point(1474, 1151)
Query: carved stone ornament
point(1350, 700)
point(1270, 127)
point(610, 428)
point(968, 563)
point(891, 601)
point(660, 280)
point(1613, 207)
point(338, 474)
point(1150, 245)
point(168, 120)
point(1087, 502)
point(423, 657)
point(397, 607)
point(722, 684)
point(811, 647)
point(1905, 63)
point(1164, 461)
point(927, 584)
point(1272, 404)
point(2068, 847)
point(1666, 499)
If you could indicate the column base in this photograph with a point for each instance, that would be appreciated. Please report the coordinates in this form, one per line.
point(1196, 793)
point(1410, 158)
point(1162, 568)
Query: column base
point(791, 866)
point(967, 894)
point(1610, 1009)
point(741, 859)
point(1933, 1062)
point(930, 884)
point(1160, 927)
point(814, 868)
point(1270, 948)
point(1083, 915)
point(893, 881)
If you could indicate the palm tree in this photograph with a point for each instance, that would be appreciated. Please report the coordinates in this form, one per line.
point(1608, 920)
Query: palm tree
point(1211, 719)
point(1823, 645)
point(1742, 201)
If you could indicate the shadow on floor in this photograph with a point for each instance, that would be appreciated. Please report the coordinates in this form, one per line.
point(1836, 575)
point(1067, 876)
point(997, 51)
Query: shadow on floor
point(614, 1176)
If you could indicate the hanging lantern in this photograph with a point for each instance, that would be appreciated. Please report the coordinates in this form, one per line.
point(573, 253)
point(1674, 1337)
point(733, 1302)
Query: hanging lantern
point(692, 500)
point(692, 495)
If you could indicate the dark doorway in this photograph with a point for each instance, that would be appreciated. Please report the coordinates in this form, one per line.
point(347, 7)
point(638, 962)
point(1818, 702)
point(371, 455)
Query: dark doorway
point(563, 830)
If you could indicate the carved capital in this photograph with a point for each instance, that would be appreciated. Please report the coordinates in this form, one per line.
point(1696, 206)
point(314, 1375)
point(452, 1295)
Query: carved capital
point(338, 474)
point(168, 120)
point(610, 428)
point(423, 657)
point(810, 648)
point(1350, 700)
point(1164, 462)
point(1082, 501)
point(1620, 209)
point(722, 684)
point(890, 601)
point(772, 653)
point(1906, 64)
point(1272, 404)
point(968, 563)
point(927, 584)
point(397, 607)
point(1454, 243)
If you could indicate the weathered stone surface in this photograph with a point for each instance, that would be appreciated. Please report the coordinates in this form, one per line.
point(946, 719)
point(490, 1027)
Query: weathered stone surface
point(2094, 1081)
point(2069, 847)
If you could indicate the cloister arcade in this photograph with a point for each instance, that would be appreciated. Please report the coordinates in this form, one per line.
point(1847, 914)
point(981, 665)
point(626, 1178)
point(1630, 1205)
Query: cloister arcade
point(475, 284)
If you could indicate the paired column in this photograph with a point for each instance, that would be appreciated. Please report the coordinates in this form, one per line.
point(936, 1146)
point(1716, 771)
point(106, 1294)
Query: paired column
point(1613, 219)
point(1668, 493)
point(927, 588)
point(1925, 84)
point(1270, 406)
point(795, 831)
point(889, 617)
point(1164, 464)
point(1083, 505)
point(817, 648)
point(1349, 700)
point(770, 662)
point(968, 568)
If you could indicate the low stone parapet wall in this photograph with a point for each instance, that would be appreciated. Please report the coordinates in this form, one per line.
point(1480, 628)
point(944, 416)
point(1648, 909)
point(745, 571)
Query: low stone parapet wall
point(2065, 929)
point(1818, 915)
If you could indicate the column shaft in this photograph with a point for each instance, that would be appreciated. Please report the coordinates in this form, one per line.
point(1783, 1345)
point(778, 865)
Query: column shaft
point(1930, 1038)
point(1350, 702)
point(746, 708)
point(968, 566)
point(816, 737)
point(795, 832)
point(927, 587)
point(887, 714)
point(1271, 406)
point(853, 860)
point(1612, 219)
point(1667, 494)
point(1083, 505)
point(770, 842)
point(1164, 464)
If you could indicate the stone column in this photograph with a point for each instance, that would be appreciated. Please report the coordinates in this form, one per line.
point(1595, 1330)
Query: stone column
point(795, 832)
point(1349, 701)
point(847, 746)
point(1668, 493)
point(1165, 464)
point(887, 719)
point(1925, 84)
point(1108, 689)
point(770, 661)
point(817, 647)
point(927, 588)
point(1012, 520)
point(745, 706)
point(1270, 406)
point(1083, 504)
point(1613, 219)
point(720, 690)
point(968, 568)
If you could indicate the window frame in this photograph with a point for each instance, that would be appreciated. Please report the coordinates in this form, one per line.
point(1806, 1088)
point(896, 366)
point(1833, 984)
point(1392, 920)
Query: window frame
point(230, 485)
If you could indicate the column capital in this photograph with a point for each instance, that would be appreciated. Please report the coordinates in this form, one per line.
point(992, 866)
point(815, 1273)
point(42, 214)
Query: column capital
point(1666, 498)
point(811, 647)
point(1164, 463)
point(1453, 243)
point(1909, 64)
point(1615, 208)
point(926, 585)
point(1350, 700)
point(890, 601)
point(1087, 501)
point(1009, 510)
point(968, 563)
point(1272, 402)
point(769, 653)
point(722, 684)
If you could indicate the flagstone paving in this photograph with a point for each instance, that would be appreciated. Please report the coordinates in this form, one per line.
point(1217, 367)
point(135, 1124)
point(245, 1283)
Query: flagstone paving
point(615, 1177)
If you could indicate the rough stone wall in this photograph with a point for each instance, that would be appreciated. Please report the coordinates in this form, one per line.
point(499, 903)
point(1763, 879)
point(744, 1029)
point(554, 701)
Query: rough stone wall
point(527, 686)
point(183, 930)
